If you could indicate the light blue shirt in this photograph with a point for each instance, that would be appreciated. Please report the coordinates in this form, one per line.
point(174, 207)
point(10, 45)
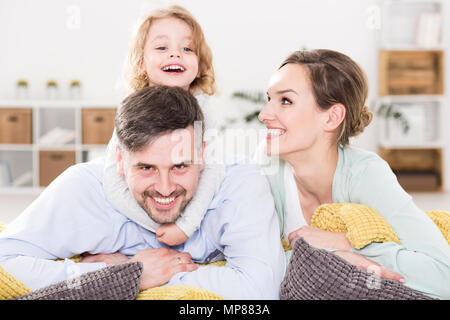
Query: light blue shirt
point(72, 216)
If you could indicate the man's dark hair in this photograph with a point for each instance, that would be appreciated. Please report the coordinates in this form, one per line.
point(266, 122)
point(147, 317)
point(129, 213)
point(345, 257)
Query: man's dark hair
point(155, 111)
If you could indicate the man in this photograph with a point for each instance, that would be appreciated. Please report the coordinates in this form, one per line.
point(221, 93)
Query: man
point(161, 164)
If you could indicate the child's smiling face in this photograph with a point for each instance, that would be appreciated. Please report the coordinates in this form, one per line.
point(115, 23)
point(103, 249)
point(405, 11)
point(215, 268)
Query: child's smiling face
point(169, 55)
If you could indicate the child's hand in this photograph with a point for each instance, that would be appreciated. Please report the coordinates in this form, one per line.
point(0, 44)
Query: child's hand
point(171, 235)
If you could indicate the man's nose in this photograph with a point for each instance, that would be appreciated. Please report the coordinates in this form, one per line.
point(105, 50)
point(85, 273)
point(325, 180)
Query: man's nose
point(165, 185)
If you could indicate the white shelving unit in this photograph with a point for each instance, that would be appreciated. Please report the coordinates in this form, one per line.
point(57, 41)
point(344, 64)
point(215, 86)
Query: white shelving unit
point(60, 129)
point(411, 34)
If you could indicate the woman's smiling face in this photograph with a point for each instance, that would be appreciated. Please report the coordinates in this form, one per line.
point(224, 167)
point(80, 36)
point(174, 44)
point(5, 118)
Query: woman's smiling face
point(291, 114)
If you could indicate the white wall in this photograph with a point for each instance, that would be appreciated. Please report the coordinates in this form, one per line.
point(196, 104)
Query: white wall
point(249, 39)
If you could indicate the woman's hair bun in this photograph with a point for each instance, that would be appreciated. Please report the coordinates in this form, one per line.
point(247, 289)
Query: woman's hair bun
point(361, 122)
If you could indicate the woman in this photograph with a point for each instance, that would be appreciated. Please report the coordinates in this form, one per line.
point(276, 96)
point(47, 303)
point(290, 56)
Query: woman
point(316, 102)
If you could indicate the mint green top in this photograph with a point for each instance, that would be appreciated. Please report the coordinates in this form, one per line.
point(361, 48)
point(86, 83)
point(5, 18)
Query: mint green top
point(423, 257)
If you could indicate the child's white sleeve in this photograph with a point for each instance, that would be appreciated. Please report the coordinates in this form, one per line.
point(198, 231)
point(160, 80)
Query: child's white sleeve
point(118, 193)
point(210, 181)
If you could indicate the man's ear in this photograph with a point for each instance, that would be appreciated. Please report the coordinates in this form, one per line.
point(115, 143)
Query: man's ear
point(119, 161)
point(335, 116)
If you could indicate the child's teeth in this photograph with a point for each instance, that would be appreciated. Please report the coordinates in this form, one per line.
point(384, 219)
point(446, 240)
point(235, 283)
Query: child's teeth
point(173, 68)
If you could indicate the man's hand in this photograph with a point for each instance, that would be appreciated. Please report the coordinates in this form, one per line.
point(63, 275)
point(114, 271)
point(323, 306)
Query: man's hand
point(109, 259)
point(161, 264)
point(171, 234)
point(320, 239)
point(365, 264)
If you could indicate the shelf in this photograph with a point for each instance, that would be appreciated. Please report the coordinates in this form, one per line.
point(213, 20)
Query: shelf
point(410, 47)
point(21, 190)
point(424, 146)
point(58, 103)
point(411, 24)
point(17, 147)
point(62, 133)
point(412, 98)
point(411, 92)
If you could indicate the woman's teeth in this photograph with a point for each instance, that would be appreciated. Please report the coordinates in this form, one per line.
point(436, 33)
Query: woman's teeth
point(164, 200)
point(275, 132)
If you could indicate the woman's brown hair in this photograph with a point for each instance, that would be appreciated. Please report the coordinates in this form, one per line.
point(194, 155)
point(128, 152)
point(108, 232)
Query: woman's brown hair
point(335, 78)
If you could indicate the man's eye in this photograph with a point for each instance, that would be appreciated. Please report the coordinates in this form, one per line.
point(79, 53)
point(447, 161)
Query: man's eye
point(285, 101)
point(146, 168)
point(179, 166)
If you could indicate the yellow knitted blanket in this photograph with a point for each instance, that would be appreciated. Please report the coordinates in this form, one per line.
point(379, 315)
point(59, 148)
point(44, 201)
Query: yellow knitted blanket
point(362, 225)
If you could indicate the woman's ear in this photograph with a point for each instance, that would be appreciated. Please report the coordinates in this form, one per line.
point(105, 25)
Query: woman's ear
point(336, 114)
point(119, 161)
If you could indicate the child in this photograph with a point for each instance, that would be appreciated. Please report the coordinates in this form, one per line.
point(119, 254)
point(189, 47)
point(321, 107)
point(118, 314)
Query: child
point(169, 48)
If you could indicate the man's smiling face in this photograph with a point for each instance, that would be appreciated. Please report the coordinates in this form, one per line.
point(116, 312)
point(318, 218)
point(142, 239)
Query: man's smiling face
point(164, 175)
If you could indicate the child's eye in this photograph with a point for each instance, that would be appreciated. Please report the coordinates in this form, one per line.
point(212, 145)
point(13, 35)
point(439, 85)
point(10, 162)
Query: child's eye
point(187, 49)
point(285, 101)
point(161, 48)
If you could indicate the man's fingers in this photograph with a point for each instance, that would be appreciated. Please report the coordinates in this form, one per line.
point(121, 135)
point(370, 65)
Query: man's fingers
point(91, 258)
point(186, 267)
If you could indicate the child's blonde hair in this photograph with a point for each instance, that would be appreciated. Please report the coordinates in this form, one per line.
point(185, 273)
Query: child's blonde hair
point(135, 75)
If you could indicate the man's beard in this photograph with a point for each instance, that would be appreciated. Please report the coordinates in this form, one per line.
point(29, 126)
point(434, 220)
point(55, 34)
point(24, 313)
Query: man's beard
point(161, 218)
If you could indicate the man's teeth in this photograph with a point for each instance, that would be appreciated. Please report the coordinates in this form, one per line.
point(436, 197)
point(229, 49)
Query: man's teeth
point(164, 200)
point(275, 132)
point(173, 68)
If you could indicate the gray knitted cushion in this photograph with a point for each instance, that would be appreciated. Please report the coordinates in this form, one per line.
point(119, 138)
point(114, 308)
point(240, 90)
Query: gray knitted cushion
point(118, 282)
point(315, 274)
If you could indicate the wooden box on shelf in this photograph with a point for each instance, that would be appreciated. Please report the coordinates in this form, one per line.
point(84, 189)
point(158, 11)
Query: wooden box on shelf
point(15, 125)
point(52, 163)
point(411, 72)
point(416, 169)
point(98, 125)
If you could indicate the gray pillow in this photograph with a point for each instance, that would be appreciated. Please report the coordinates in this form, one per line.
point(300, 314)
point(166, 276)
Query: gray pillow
point(118, 282)
point(316, 274)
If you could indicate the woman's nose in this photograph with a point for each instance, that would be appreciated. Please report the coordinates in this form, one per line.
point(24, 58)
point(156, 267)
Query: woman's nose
point(266, 113)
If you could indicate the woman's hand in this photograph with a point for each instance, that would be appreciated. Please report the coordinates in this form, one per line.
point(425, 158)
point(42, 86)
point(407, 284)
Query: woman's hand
point(365, 264)
point(320, 239)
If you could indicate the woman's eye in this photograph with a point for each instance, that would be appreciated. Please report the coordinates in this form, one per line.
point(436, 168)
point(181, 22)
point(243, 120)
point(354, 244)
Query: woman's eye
point(285, 101)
